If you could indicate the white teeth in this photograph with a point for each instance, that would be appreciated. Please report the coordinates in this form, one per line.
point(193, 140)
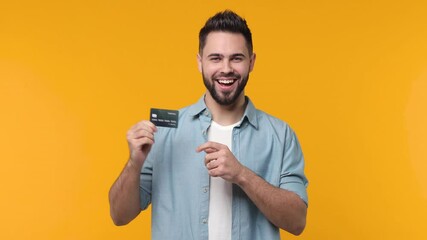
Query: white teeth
point(225, 81)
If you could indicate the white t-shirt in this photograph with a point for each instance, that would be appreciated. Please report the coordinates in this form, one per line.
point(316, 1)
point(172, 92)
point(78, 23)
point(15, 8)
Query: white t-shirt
point(220, 198)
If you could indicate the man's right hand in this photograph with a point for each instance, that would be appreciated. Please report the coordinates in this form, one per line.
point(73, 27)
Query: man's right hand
point(124, 194)
point(140, 138)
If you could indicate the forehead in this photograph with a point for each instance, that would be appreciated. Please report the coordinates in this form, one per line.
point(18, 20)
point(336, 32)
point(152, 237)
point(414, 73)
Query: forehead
point(225, 43)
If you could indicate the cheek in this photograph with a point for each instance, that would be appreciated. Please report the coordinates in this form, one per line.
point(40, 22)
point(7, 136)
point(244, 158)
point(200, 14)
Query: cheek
point(209, 70)
point(242, 69)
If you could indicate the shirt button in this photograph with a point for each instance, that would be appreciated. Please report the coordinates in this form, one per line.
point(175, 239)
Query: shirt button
point(206, 113)
point(205, 190)
point(204, 221)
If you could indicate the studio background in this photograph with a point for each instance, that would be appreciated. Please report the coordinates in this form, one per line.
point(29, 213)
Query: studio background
point(350, 77)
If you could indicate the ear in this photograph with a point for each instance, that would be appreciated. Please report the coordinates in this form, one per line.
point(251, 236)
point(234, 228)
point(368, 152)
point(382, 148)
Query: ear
point(252, 64)
point(199, 62)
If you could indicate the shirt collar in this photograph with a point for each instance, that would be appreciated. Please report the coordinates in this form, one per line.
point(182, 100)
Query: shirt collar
point(250, 112)
point(198, 107)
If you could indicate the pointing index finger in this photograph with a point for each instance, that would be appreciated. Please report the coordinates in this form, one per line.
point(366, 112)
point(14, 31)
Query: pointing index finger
point(209, 147)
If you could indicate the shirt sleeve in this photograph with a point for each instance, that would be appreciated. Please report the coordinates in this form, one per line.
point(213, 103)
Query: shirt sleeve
point(292, 177)
point(145, 181)
point(148, 169)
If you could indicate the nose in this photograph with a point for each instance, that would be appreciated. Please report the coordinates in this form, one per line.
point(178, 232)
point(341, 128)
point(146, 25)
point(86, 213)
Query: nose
point(226, 66)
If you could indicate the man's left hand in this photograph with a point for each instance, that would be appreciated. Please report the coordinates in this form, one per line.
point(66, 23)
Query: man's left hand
point(221, 162)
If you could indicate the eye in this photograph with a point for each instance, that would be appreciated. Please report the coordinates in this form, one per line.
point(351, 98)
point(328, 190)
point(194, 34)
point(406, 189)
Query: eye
point(237, 58)
point(215, 59)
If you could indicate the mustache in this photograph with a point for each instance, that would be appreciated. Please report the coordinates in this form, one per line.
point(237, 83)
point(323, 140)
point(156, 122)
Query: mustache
point(227, 75)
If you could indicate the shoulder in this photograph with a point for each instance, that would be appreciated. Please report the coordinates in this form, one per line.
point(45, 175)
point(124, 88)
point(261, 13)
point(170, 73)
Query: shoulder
point(268, 120)
point(272, 125)
point(260, 119)
point(193, 110)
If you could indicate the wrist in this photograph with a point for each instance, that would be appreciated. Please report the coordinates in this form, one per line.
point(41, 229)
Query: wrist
point(134, 164)
point(243, 177)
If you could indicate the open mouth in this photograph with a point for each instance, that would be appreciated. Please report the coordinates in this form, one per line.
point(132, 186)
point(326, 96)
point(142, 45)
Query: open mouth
point(226, 82)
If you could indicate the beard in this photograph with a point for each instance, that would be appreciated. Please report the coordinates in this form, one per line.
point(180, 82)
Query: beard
point(225, 98)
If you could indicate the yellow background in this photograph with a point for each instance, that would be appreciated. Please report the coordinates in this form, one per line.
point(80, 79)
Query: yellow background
point(349, 76)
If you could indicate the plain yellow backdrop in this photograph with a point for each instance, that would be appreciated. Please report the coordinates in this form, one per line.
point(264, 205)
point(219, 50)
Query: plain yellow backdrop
point(349, 76)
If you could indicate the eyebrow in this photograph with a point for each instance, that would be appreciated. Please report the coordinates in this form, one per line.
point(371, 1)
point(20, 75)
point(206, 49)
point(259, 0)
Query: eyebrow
point(231, 56)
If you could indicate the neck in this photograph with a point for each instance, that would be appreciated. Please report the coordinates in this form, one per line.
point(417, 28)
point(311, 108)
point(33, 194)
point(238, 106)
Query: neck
point(229, 114)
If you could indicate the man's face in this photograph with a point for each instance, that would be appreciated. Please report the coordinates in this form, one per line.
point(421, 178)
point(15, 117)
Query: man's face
point(225, 65)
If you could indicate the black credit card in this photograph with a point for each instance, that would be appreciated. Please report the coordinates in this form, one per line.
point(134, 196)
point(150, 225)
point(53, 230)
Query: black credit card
point(164, 117)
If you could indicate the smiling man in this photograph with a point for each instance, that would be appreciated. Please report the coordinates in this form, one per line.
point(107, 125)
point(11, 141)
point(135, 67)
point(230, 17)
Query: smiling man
point(225, 63)
point(229, 170)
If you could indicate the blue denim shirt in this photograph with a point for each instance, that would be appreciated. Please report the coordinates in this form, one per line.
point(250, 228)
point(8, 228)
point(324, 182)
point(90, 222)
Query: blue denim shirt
point(175, 181)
